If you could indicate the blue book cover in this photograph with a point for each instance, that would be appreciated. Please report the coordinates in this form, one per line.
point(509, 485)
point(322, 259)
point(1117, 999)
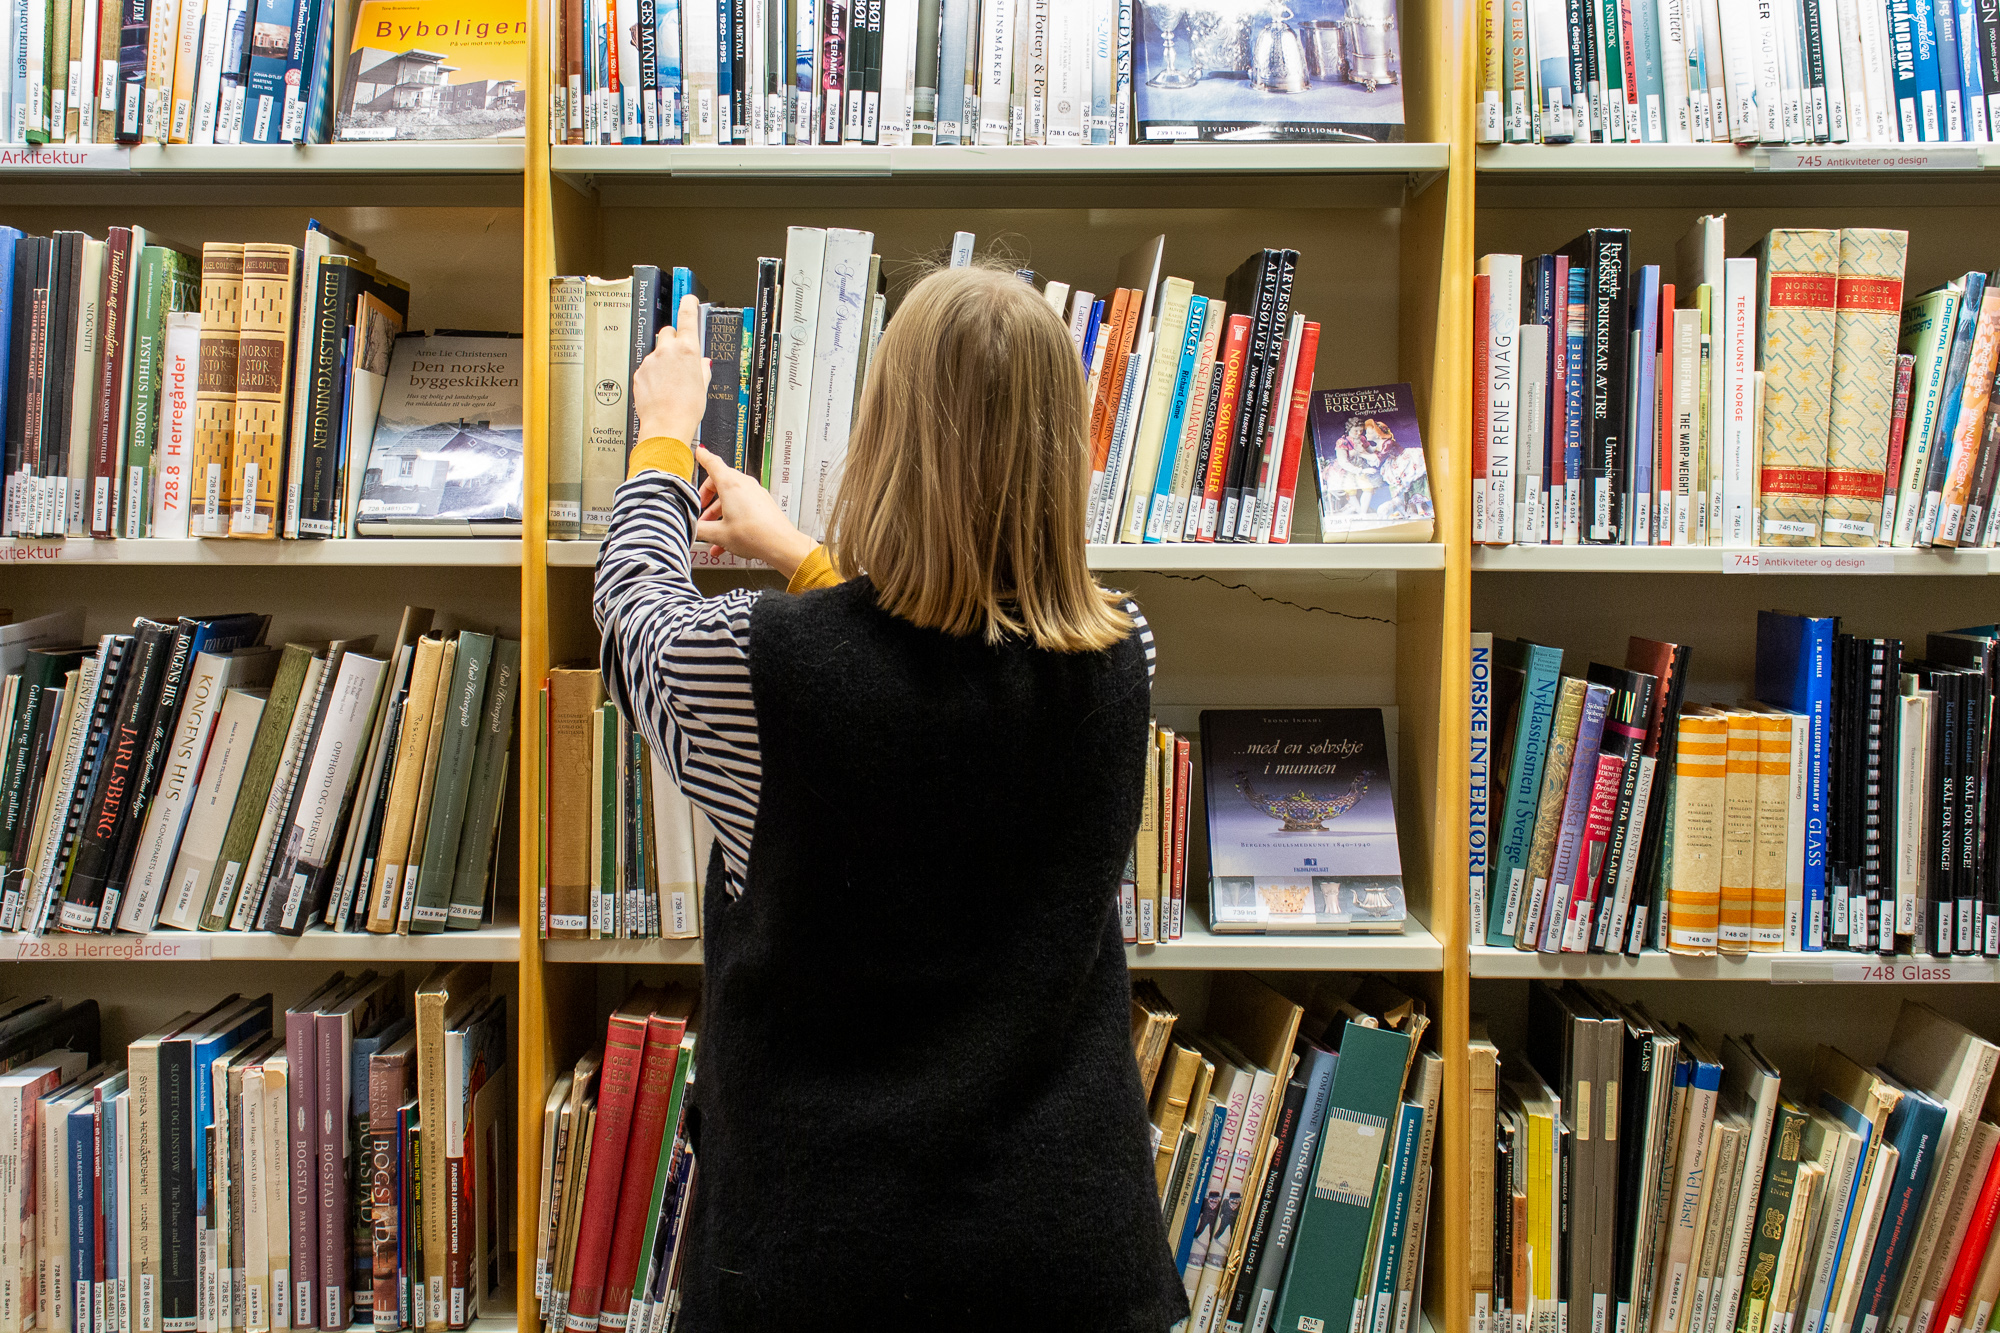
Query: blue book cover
point(1902, 15)
point(954, 22)
point(1950, 399)
point(1294, 1181)
point(1395, 1218)
point(1929, 86)
point(81, 1155)
point(1795, 671)
point(1163, 480)
point(1094, 327)
point(1944, 24)
point(1544, 927)
point(275, 29)
point(1646, 65)
point(685, 284)
point(1865, 1127)
point(10, 238)
point(1203, 1169)
point(1301, 821)
point(1539, 667)
point(107, 1196)
point(243, 1025)
point(667, 14)
point(1914, 1129)
point(1971, 80)
point(1646, 324)
point(1574, 340)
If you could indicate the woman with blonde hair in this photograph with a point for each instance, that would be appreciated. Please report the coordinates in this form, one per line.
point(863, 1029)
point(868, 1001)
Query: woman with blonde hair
point(917, 1103)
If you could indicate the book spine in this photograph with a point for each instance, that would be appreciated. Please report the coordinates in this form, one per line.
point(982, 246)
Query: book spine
point(618, 1087)
point(1864, 386)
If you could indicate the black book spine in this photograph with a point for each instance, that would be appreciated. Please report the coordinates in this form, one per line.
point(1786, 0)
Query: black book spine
point(1270, 373)
point(646, 298)
point(1503, 1221)
point(1885, 744)
point(41, 674)
point(1261, 300)
point(114, 800)
point(1973, 711)
point(35, 394)
point(766, 309)
point(20, 318)
point(722, 339)
point(1989, 50)
point(13, 877)
point(177, 1201)
point(112, 655)
point(1624, 735)
point(332, 313)
point(128, 111)
point(65, 276)
point(1647, 880)
point(1606, 359)
point(1944, 796)
point(159, 735)
point(739, 75)
point(1840, 738)
point(1635, 1134)
point(1282, 1135)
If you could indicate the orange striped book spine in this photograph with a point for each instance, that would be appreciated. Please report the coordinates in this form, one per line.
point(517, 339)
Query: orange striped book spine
point(1694, 885)
point(1774, 810)
point(1739, 834)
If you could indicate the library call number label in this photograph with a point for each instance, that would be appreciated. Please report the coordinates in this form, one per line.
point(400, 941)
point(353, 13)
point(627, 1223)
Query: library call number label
point(1941, 971)
point(89, 949)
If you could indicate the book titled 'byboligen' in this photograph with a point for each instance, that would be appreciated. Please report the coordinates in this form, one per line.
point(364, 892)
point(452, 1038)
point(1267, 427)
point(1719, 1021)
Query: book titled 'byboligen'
point(1301, 822)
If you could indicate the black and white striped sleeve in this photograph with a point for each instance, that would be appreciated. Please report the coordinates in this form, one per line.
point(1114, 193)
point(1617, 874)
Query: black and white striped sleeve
point(676, 663)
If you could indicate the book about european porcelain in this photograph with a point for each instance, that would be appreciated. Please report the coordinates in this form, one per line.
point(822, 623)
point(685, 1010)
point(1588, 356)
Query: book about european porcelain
point(446, 457)
point(1269, 71)
point(1373, 483)
point(1301, 822)
point(435, 69)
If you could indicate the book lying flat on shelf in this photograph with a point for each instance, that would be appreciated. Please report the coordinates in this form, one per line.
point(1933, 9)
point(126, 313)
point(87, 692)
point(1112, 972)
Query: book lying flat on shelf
point(1301, 822)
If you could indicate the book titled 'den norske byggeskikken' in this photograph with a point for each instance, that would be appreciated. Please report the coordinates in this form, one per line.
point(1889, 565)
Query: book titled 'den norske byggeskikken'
point(1301, 821)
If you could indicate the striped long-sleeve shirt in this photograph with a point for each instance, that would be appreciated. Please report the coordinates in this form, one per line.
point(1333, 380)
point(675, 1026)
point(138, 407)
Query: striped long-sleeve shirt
point(677, 663)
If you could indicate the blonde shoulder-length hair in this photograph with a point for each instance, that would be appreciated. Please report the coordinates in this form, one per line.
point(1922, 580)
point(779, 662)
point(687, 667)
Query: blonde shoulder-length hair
point(964, 493)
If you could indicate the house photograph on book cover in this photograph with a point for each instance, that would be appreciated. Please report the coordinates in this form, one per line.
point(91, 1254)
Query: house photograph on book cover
point(436, 69)
point(1298, 71)
point(447, 447)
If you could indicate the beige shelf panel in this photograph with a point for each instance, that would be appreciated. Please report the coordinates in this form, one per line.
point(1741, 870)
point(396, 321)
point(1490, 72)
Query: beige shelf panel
point(1830, 967)
point(389, 552)
point(496, 943)
point(1696, 560)
point(1166, 556)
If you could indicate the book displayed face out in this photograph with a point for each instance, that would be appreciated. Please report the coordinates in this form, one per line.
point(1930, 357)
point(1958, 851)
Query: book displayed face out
point(1301, 820)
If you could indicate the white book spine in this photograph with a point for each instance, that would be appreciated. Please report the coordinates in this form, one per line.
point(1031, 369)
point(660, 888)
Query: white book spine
point(1833, 43)
point(1674, 28)
point(166, 817)
point(208, 73)
point(278, 801)
point(1739, 56)
point(843, 313)
point(208, 820)
point(899, 33)
point(1555, 103)
point(755, 55)
point(1069, 74)
point(329, 774)
point(1852, 115)
point(1686, 405)
point(1530, 514)
point(1795, 123)
point(1503, 329)
point(698, 70)
point(1882, 92)
point(84, 74)
point(996, 71)
point(1767, 68)
point(1739, 313)
point(1103, 62)
point(1913, 743)
point(805, 254)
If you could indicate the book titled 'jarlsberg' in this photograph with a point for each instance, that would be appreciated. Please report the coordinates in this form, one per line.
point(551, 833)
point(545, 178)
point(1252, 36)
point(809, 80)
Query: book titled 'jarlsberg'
point(1301, 823)
point(1310, 71)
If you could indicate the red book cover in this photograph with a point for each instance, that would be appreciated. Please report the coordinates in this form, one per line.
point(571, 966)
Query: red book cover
point(1183, 779)
point(1971, 1253)
point(105, 419)
point(1596, 843)
point(1235, 351)
point(1482, 287)
point(642, 1163)
point(1899, 421)
point(617, 1092)
point(1295, 435)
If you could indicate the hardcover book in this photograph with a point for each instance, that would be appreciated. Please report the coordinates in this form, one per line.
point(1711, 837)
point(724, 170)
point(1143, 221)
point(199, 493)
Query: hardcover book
point(1800, 271)
point(1301, 822)
point(1373, 483)
point(1317, 71)
point(446, 457)
point(435, 69)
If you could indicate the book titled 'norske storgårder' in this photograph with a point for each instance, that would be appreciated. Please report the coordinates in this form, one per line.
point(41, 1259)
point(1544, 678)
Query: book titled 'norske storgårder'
point(1301, 821)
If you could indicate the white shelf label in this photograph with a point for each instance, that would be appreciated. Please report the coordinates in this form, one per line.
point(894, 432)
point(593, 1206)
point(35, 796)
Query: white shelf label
point(1885, 971)
point(1901, 157)
point(68, 157)
point(1810, 560)
point(102, 949)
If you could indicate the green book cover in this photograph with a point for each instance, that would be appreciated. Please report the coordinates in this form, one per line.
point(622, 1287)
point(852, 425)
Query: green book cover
point(259, 771)
point(663, 1177)
point(1774, 1204)
point(1337, 1219)
point(1538, 670)
point(41, 675)
point(463, 714)
point(487, 789)
point(168, 281)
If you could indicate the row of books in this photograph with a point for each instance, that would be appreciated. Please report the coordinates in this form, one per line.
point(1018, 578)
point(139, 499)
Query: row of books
point(258, 71)
point(1249, 1113)
point(1152, 893)
point(1842, 807)
point(188, 775)
point(1713, 1191)
point(922, 72)
point(255, 390)
point(1768, 400)
point(624, 851)
point(619, 1171)
point(1716, 71)
point(1198, 417)
point(246, 1169)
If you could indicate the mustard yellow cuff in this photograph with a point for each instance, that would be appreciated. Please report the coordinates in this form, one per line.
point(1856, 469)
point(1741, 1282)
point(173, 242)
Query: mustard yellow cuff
point(815, 571)
point(661, 454)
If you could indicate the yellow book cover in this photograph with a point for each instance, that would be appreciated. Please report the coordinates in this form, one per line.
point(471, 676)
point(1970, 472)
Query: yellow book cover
point(1694, 886)
point(1739, 834)
point(162, 33)
point(1799, 270)
point(1868, 307)
point(263, 386)
point(1549, 805)
point(405, 776)
point(1773, 829)
point(435, 69)
point(215, 389)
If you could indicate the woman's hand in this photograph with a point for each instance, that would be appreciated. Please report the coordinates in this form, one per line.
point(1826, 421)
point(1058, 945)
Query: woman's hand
point(740, 516)
point(670, 388)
